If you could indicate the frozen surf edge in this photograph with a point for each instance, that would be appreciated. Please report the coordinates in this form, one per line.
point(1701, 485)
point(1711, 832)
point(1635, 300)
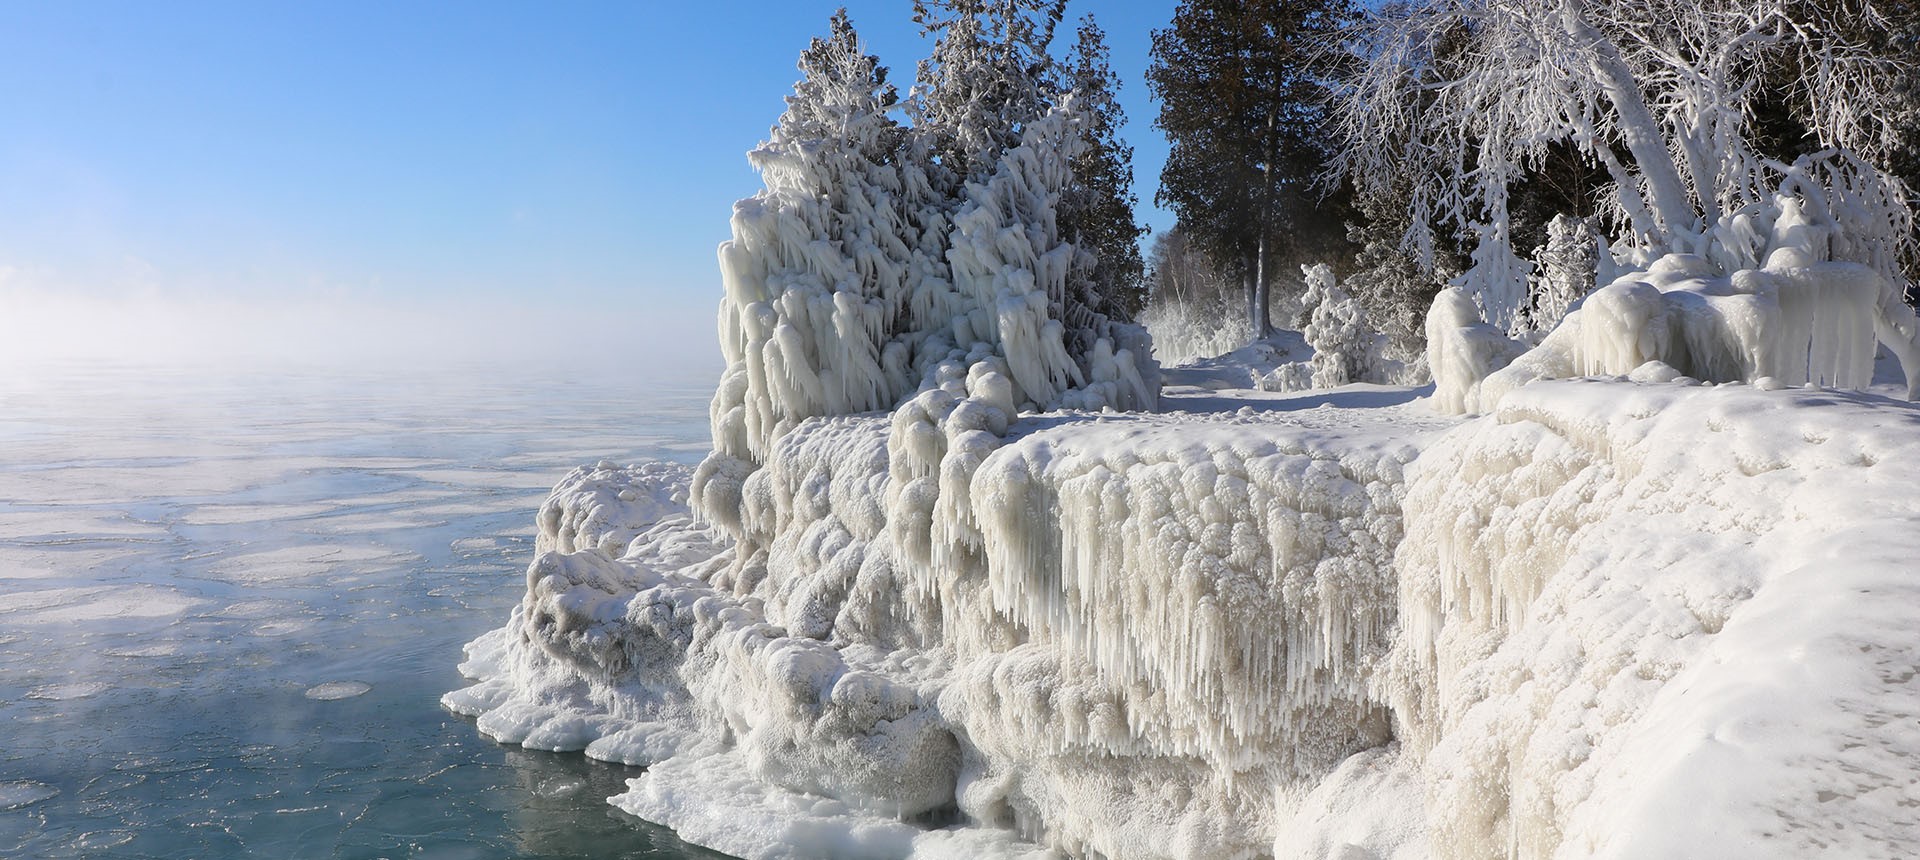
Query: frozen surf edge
point(1612, 597)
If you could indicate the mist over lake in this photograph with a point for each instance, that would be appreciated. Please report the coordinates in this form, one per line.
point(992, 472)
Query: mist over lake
point(234, 595)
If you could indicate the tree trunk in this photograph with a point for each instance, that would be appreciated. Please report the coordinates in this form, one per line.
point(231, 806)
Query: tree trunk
point(1672, 206)
point(1250, 278)
point(1262, 325)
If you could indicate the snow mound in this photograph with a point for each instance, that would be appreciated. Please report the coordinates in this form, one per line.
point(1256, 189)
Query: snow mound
point(1791, 315)
point(1242, 367)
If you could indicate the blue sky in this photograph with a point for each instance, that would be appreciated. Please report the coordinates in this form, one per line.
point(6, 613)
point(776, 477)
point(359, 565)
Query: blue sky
point(571, 159)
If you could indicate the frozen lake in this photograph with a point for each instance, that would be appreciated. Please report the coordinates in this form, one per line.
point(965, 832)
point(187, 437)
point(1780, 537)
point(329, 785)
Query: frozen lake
point(229, 603)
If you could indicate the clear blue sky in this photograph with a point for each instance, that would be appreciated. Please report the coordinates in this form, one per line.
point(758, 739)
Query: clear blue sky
point(578, 156)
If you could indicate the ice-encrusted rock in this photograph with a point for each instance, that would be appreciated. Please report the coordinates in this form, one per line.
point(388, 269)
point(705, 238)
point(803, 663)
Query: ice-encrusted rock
point(1116, 637)
point(604, 506)
point(1242, 634)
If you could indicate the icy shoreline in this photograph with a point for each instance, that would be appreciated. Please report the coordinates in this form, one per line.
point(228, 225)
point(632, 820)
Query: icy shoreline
point(1202, 634)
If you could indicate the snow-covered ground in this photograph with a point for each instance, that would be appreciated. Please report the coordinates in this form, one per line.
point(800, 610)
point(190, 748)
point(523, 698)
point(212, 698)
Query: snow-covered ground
point(1608, 617)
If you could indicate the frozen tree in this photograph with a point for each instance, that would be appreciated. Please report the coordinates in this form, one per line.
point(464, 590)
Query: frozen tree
point(1496, 277)
point(1098, 212)
point(817, 273)
point(1345, 348)
point(989, 81)
point(1026, 290)
point(989, 75)
point(854, 281)
point(1566, 269)
point(1460, 98)
point(1243, 105)
point(1897, 34)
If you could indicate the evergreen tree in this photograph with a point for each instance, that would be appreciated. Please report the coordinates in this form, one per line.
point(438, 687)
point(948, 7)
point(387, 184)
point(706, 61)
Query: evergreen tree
point(989, 76)
point(1388, 280)
point(1098, 211)
point(1246, 111)
point(839, 81)
point(832, 157)
point(819, 249)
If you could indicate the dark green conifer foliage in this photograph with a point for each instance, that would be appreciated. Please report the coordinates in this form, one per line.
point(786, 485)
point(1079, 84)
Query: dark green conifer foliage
point(1099, 214)
point(1244, 103)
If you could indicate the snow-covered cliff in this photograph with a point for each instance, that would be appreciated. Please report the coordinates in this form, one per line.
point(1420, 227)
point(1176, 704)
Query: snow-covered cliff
point(1295, 625)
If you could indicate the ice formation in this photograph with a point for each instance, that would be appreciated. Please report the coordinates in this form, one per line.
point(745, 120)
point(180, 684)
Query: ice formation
point(1308, 632)
point(916, 619)
point(1770, 302)
point(829, 310)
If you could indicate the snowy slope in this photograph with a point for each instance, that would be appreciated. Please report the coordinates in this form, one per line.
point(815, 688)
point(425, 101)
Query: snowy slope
point(1665, 620)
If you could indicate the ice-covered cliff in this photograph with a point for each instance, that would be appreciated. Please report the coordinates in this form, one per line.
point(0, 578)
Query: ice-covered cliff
point(1607, 617)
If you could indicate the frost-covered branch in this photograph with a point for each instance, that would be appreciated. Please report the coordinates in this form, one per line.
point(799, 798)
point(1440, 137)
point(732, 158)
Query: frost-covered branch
point(1461, 99)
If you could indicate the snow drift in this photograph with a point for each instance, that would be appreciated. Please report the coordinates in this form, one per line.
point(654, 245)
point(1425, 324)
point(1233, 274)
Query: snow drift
point(1664, 620)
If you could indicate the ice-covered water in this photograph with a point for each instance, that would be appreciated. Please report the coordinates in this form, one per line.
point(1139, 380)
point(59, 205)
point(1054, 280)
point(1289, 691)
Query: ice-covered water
point(230, 601)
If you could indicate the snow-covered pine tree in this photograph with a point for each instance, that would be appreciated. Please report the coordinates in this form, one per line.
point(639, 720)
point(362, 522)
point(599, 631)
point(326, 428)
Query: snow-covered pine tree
point(1097, 213)
point(989, 82)
point(989, 75)
point(1566, 270)
point(856, 283)
point(818, 273)
point(1011, 260)
point(1345, 348)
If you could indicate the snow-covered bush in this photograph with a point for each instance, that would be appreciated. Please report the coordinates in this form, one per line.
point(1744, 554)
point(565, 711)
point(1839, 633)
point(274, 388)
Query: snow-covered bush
point(1345, 348)
point(1565, 269)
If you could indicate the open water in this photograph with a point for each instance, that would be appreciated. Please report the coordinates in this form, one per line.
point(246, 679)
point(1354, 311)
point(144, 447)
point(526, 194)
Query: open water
point(230, 600)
